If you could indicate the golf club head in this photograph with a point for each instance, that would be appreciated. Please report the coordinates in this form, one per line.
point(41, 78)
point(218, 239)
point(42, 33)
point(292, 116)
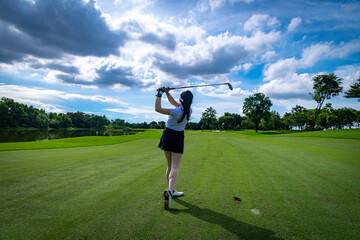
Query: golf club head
point(229, 85)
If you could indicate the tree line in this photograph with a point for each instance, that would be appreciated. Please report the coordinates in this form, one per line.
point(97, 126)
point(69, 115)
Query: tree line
point(299, 118)
point(14, 114)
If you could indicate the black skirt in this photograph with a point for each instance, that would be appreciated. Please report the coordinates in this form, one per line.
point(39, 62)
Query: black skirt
point(172, 141)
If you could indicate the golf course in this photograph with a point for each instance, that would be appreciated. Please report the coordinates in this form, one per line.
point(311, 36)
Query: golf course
point(237, 185)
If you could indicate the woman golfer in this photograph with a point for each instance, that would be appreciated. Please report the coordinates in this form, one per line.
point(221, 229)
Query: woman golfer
point(172, 139)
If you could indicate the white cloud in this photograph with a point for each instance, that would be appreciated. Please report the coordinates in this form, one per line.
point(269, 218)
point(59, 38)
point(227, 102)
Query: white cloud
point(260, 41)
point(345, 49)
point(224, 92)
point(268, 55)
point(40, 104)
point(140, 112)
point(214, 55)
point(314, 53)
point(284, 81)
point(38, 96)
point(286, 67)
point(258, 21)
point(133, 2)
point(132, 110)
point(247, 66)
point(288, 87)
point(283, 68)
point(136, 54)
point(295, 22)
point(95, 98)
point(205, 5)
point(349, 73)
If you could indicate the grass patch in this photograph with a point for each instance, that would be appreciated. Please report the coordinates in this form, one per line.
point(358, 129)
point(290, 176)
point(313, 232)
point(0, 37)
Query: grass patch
point(288, 186)
point(341, 134)
point(79, 141)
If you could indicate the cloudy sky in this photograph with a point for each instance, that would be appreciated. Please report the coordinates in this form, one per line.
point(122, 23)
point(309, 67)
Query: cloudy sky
point(108, 57)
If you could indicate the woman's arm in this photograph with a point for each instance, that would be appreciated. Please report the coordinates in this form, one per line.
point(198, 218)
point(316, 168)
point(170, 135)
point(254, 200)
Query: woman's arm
point(171, 99)
point(158, 107)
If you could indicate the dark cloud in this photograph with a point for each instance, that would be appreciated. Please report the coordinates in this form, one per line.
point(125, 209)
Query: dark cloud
point(70, 26)
point(168, 41)
point(122, 75)
point(106, 78)
point(221, 61)
point(15, 46)
point(56, 66)
point(132, 26)
point(71, 79)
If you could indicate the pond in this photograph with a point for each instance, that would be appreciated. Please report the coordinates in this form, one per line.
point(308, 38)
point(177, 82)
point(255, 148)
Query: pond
point(27, 135)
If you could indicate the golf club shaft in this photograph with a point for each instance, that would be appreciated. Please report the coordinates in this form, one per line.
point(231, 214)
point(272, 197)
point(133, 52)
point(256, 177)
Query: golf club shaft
point(200, 86)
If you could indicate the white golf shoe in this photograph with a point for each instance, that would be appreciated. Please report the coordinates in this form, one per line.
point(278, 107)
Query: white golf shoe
point(167, 199)
point(177, 194)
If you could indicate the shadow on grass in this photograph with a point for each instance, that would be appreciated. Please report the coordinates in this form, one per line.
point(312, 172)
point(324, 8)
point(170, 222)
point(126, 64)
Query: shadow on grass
point(240, 229)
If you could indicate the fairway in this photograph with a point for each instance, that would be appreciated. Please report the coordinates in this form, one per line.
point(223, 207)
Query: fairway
point(287, 186)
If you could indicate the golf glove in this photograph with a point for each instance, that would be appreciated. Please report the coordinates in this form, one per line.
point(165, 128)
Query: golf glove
point(160, 92)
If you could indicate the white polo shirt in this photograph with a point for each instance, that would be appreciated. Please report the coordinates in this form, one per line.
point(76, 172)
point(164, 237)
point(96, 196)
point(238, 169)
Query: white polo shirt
point(175, 115)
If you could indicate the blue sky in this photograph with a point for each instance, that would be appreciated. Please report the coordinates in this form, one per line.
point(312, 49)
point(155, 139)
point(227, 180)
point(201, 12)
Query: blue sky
point(108, 57)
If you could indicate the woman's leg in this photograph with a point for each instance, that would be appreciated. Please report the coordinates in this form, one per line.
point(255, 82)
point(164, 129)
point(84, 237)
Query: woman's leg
point(168, 169)
point(175, 165)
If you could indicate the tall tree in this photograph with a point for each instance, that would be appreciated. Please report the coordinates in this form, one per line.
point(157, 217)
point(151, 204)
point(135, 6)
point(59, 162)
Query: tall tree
point(299, 116)
point(273, 123)
point(80, 119)
point(257, 107)
point(208, 119)
point(4, 114)
point(118, 123)
point(230, 121)
point(153, 125)
point(325, 87)
point(354, 91)
point(161, 124)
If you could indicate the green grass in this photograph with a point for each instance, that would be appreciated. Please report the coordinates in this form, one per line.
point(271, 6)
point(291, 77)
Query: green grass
point(79, 141)
point(304, 186)
point(342, 133)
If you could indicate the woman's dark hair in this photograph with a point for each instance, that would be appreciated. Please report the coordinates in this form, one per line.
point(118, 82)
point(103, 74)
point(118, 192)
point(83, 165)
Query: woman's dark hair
point(186, 100)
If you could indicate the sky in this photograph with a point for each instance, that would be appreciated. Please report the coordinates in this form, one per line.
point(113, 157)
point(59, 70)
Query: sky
point(108, 57)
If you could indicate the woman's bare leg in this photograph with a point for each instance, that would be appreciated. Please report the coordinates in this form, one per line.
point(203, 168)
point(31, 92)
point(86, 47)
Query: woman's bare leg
point(175, 166)
point(168, 169)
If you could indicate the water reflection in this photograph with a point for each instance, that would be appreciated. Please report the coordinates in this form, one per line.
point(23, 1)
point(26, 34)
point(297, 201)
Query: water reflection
point(24, 135)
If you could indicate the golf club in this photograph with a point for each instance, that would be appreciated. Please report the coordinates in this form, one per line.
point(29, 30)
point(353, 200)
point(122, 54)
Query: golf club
point(228, 84)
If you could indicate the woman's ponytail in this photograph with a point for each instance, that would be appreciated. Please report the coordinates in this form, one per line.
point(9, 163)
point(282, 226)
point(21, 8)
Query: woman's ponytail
point(186, 98)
